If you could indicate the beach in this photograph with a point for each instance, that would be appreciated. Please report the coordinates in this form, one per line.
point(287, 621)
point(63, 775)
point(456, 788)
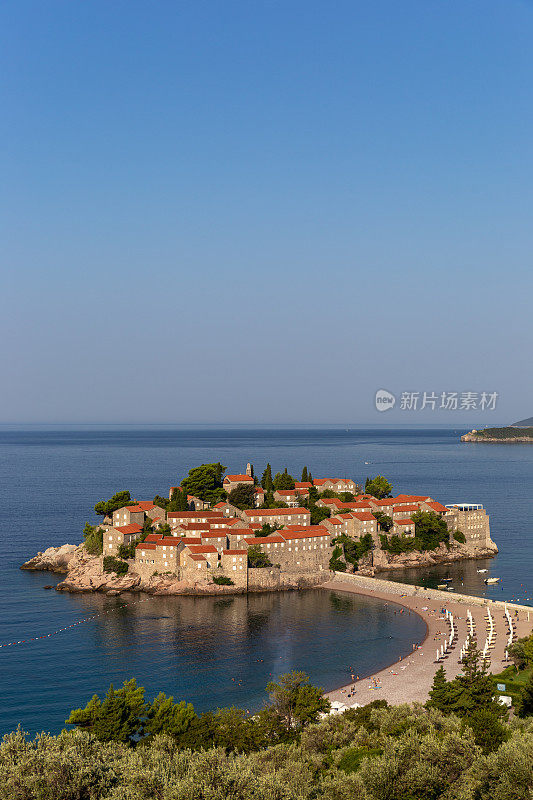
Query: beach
point(409, 679)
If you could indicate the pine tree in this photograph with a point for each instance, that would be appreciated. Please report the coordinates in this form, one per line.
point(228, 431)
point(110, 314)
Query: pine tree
point(439, 692)
point(304, 475)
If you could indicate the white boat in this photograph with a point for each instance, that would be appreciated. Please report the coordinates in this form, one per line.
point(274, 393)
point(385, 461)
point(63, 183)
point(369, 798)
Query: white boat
point(492, 580)
point(482, 570)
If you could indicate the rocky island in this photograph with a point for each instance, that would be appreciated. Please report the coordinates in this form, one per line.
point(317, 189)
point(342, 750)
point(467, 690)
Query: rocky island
point(516, 433)
point(236, 534)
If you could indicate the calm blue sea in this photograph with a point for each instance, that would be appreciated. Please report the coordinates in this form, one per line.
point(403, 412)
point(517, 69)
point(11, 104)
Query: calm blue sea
point(209, 651)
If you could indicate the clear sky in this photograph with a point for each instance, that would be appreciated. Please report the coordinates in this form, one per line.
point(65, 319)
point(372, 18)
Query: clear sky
point(265, 211)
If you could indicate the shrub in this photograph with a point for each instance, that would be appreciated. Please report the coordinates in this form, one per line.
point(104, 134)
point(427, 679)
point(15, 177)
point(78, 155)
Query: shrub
point(223, 580)
point(459, 537)
point(112, 564)
point(94, 539)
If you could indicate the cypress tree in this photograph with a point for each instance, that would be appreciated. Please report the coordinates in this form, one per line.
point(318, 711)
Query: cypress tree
point(266, 481)
point(304, 475)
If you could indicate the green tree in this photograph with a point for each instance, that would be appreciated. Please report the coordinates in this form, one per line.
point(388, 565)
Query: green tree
point(166, 716)
point(94, 539)
point(430, 530)
point(459, 537)
point(378, 487)
point(178, 500)
point(385, 522)
point(305, 477)
point(162, 502)
point(295, 701)
point(112, 564)
point(119, 500)
point(267, 529)
point(438, 694)
point(205, 482)
point(266, 480)
point(283, 480)
point(256, 557)
point(309, 477)
point(525, 703)
point(119, 718)
point(243, 496)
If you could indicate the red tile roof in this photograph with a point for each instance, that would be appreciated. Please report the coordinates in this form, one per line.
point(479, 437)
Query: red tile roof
point(404, 522)
point(302, 484)
point(169, 541)
point(187, 540)
point(275, 538)
point(234, 552)
point(214, 534)
point(406, 508)
point(364, 516)
point(145, 546)
point(273, 512)
point(436, 506)
point(238, 479)
point(312, 532)
point(202, 548)
point(129, 529)
point(196, 557)
point(193, 514)
point(153, 537)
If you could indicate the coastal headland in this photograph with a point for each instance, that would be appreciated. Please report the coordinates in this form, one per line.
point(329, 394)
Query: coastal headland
point(409, 680)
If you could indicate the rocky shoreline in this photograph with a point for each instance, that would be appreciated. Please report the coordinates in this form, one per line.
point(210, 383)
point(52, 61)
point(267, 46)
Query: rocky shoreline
point(474, 436)
point(84, 572)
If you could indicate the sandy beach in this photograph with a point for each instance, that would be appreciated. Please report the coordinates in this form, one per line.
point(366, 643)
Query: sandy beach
point(409, 679)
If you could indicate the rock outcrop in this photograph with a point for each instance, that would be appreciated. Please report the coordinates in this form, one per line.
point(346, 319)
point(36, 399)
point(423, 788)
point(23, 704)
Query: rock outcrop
point(55, 559)
point(383, 560)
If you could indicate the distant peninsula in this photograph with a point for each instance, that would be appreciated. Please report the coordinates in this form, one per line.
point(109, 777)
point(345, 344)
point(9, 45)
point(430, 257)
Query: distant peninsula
point(517, 432)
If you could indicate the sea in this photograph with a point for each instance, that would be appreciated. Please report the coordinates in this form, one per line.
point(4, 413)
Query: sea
point(59, 649)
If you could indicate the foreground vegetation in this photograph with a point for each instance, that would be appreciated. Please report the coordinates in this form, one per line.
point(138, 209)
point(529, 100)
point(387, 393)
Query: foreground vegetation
point(374, 753)
point(460, 746)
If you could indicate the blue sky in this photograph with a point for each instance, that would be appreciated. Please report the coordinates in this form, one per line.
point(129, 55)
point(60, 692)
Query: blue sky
point(264, 212)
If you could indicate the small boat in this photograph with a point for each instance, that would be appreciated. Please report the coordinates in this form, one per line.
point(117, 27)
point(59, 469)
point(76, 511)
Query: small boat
point(451, 589)
point(447, 579)
point(442, 585)
point(492, 580)
point(482, 570)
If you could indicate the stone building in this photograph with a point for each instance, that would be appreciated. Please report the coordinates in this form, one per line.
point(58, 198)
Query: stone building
point(137, 513)
point(279, 516)
point(472, 520)
point(115, 536)
point(231, 482)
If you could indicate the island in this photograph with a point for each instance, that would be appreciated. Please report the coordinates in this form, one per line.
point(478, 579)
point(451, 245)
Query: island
point(517, 433)
point(218, 533)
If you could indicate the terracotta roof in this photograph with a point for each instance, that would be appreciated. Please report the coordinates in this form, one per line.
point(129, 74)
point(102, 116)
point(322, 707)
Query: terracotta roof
point(234, 552)
point(275, 538)
point(238, 479)
point(403, 509)
point(202, 548)
point(171, 541)
point(335, 520)
point(286, 491)
point(404, 522)
point(145, 546)
point(192, 514)
point(386, 502)
point(273, 512)
point(196, 557)
point(129, 529)
point(312, 532)
point(153, 537)
point(411, 497)
point(302, 484)
point(364, 516)
point(187, 540)
point(436, 506)
point(214, 534)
